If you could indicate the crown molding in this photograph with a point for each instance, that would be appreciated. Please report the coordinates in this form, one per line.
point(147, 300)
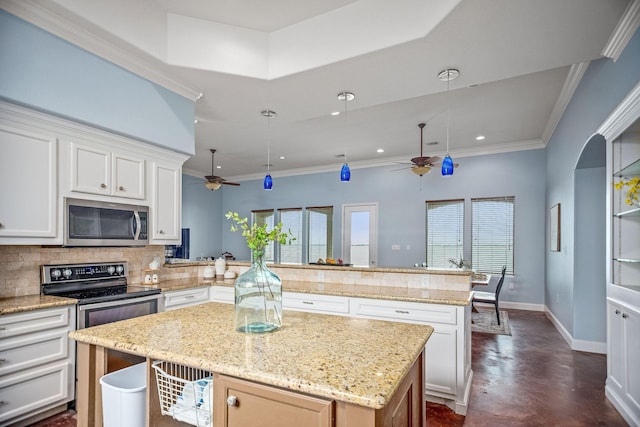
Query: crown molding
point(131, 59)
point(625, 29)
point(570, 85)
point(624, 115)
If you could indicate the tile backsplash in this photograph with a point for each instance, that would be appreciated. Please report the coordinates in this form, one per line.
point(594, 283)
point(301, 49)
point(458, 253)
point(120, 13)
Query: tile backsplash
point(20, 265)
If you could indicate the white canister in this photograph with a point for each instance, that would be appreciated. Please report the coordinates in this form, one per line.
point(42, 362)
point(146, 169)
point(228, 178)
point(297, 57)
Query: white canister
point(209, 272)
point(221, 266)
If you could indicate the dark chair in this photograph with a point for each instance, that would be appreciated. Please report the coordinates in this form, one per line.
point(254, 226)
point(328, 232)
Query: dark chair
point(490, 297)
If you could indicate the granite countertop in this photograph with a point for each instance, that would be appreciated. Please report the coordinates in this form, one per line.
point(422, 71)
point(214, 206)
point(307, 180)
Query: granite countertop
point(32, 302)
point(353, 360)
point(399, 293)
point(414, 270)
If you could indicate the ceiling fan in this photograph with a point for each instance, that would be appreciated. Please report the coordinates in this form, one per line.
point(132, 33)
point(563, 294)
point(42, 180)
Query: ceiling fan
point(213, 181)
point(421, 165)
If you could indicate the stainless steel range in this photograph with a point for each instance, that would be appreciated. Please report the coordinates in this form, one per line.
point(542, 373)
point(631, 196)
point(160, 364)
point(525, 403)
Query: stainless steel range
point(101, 290)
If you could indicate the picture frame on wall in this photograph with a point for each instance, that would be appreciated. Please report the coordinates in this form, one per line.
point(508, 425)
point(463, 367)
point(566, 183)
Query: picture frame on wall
point(554, 228)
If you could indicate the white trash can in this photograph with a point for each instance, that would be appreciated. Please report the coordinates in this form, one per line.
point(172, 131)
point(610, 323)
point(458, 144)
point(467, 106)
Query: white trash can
point(124, 397)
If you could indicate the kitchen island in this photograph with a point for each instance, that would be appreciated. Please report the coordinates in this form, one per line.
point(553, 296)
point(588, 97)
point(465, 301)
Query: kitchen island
point(366, 372)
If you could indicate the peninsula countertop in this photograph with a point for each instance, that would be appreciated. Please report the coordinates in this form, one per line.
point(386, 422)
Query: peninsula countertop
point(352, 360)
point(398, 293)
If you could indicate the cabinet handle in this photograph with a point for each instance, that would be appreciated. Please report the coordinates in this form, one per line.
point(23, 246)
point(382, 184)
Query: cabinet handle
point(3, 360)
point(161, 232)
point(189, 296)
point(232, 401)
point(402, 311)
point(308, 302)
point(625, 315)
point(103, 185)
point(3, 402)
point(1, 225)
point(121, 188)
point(617, 311)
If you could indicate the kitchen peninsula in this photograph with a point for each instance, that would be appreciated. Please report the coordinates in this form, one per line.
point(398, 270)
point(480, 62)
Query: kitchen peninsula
point(357, 372)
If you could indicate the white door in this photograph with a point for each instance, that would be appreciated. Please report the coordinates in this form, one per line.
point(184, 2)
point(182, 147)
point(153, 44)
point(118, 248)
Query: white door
point(360, 234)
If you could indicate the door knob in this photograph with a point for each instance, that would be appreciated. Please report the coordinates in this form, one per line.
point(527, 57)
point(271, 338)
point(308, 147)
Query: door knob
point(121, 188)
point(232, 401)
point(103, 185)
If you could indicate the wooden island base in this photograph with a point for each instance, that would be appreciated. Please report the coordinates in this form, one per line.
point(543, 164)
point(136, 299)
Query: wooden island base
point(258, 404)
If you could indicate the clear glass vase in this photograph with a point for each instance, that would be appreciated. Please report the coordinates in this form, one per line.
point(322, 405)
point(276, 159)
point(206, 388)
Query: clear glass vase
point(258, 302)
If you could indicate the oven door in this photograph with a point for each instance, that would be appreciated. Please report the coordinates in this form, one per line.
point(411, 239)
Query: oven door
point(112, 311)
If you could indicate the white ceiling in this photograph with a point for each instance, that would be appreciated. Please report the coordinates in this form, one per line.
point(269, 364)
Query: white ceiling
point(293, 57)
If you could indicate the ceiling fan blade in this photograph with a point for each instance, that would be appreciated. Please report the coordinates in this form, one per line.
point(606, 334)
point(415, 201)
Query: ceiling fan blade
point(230, 183)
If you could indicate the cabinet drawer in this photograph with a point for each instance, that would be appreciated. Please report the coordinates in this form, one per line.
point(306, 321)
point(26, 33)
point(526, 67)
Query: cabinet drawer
point(33, 349)
point(34, 389)
point(33, 321)
point(404, 311)
point(224, 294)
point(186, 297)
point(315, 303)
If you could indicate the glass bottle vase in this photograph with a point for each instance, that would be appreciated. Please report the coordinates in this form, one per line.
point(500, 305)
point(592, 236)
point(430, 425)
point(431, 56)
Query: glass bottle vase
point(258, 298)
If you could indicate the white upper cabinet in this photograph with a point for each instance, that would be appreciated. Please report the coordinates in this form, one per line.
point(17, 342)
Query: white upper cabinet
point(166, 204)
point(28, 187)
point(98, 171)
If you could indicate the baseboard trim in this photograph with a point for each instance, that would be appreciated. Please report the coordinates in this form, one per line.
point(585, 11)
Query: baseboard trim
point(621, 405)
point(577, 345)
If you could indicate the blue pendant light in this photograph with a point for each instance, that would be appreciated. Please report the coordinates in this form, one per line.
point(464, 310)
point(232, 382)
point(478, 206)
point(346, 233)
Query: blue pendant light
point(268, 181)
point(448, 75)
point(345, 172)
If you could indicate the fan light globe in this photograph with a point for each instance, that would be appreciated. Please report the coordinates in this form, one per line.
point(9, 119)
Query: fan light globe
point(420, 170)
point(213, 186)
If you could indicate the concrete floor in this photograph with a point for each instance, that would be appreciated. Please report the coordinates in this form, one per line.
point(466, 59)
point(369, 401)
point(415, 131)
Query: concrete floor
point(530, 378)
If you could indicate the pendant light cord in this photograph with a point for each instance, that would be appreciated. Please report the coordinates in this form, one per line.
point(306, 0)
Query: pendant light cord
point(269, 141)
point(344, 135)
point(448, 108)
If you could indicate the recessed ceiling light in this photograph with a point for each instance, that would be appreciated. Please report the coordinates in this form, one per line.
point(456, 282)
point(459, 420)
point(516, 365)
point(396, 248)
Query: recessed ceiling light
point(335, 113)
point(479, 137)
point(195, 120)
point(282, 157)
point(380, 150)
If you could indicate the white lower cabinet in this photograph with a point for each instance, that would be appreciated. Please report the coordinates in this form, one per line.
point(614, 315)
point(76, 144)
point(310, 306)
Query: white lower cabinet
point(315, 303)
point(224, 294)
point(185, 298)
point(448, 351)
point(623, 359)
point(37, 366)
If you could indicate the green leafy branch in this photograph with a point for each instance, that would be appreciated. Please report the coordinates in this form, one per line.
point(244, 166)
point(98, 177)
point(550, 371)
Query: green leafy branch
point(257, 236)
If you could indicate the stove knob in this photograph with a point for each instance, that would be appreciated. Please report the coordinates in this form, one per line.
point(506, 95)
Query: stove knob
point(111, 269)
point(67, 273)
point(119, 269)
point(56, 273)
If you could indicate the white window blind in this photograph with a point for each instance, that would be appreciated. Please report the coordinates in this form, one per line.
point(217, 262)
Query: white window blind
point(492, 234)
point(445, 232)
point(260, 218)
point(291, 220)
point(320, 232)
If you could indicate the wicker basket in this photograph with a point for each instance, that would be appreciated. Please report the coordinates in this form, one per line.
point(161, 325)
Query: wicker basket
point(186, 394)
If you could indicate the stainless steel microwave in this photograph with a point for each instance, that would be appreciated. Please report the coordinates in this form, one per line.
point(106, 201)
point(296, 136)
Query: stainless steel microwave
point(93, 223)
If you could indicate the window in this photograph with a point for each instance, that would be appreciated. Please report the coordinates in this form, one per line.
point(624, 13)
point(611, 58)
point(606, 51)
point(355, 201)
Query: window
point(261, 218)
point(291, 220)
point(492, 234)
point(445, 232)
point(320, 233)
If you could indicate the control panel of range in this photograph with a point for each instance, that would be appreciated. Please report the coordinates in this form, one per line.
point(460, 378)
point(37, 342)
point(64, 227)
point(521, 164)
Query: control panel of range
point(76, 272)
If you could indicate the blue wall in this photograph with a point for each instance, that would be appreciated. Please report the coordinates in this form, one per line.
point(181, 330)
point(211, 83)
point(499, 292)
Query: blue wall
point(46, 73)
point(401, 208)
point(603, 86)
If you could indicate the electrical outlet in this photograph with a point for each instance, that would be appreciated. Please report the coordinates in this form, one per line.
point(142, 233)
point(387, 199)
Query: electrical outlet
point(557, 297)
point(408, 247)
point(512, 285)
point(395, 247)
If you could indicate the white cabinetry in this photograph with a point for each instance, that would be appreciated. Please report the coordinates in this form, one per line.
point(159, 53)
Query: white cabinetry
point(315, 303)
point(225, 294)
point(166, 204)
point(186, 297)
point(98, 171)
point(28, 187)
point(623, 362)
point(37, 367)
point(448, 351)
